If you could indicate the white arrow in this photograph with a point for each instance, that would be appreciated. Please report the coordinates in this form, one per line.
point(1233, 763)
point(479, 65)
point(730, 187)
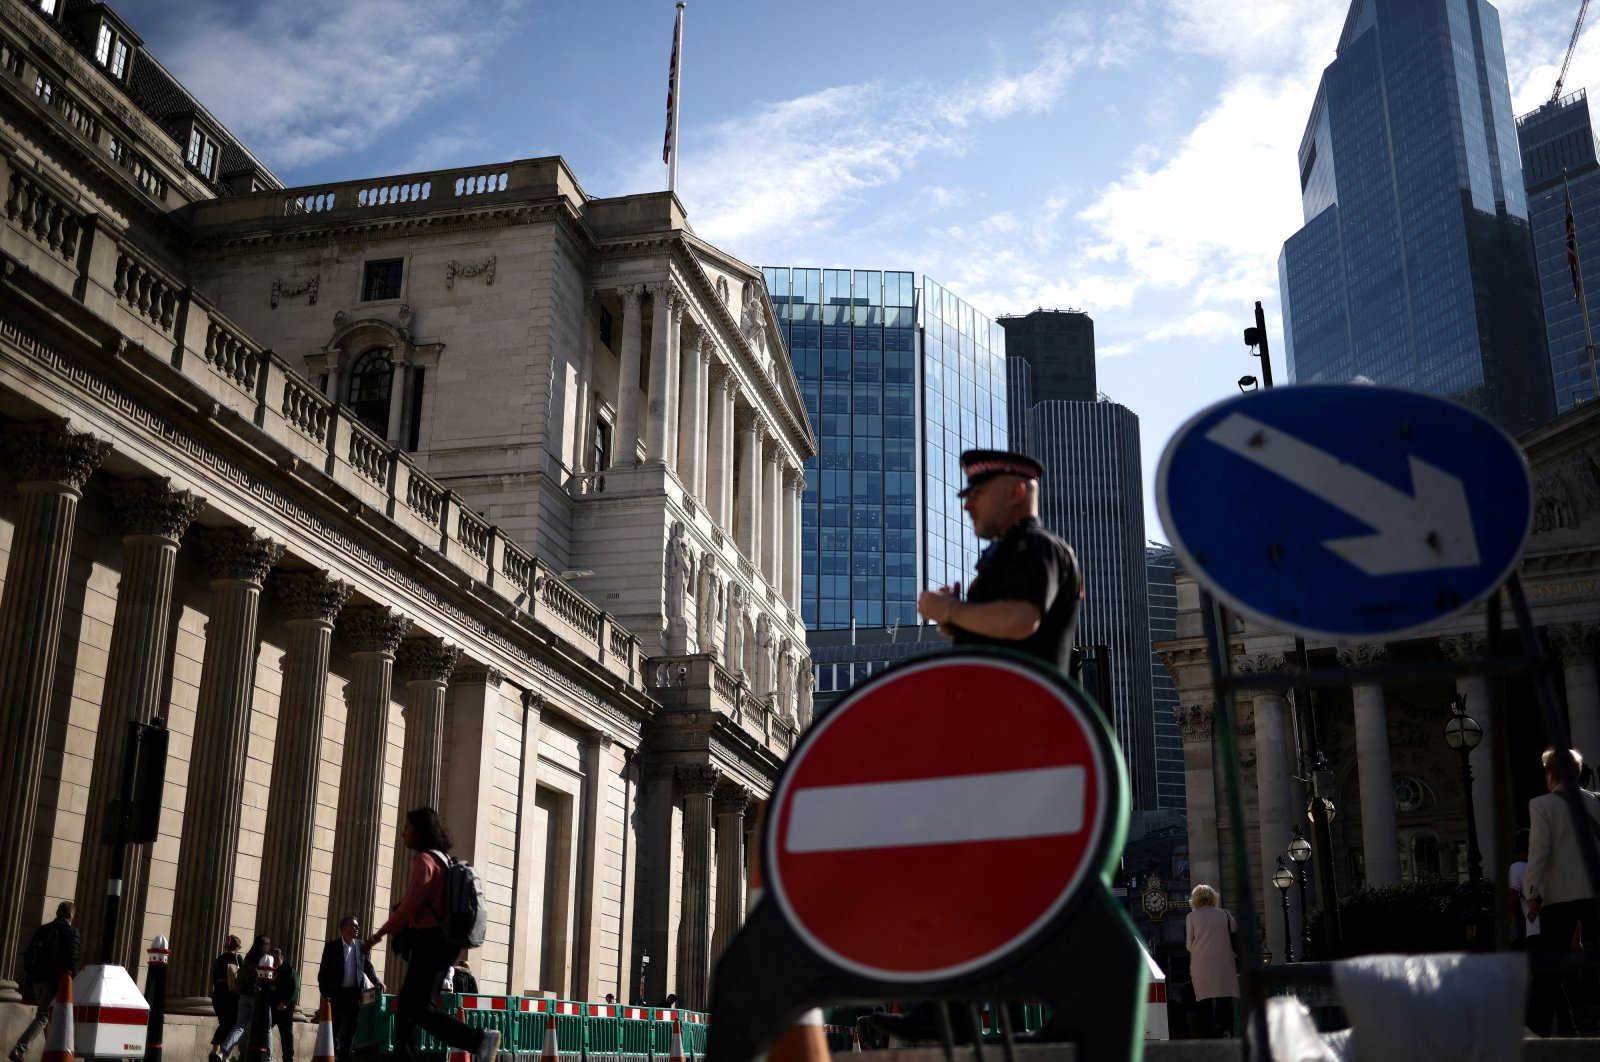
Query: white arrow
point(1428, 529)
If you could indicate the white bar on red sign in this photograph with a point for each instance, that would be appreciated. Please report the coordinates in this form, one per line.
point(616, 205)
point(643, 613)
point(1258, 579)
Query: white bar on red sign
point(1006, 805)
point(635, 1013)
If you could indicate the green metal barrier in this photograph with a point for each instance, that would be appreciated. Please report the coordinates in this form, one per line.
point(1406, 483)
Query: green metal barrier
point(492, 1012)
point(374, 1030)
point(839, 1037)
point(693, 1024)
point(571, 1025)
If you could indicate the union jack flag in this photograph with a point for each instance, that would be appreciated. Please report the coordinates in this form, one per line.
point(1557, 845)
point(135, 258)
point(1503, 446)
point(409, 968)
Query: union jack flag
point(1572, 252)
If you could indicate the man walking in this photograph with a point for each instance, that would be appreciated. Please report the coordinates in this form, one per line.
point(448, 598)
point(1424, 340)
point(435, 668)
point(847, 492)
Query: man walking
point(53, 951)
point(283, 996)
point(1556, 884)
point(345, 972)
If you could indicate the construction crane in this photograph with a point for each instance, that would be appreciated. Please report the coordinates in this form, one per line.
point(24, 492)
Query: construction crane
point(1572, 46)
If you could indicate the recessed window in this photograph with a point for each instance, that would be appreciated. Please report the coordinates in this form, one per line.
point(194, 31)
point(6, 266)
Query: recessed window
point(202, 153)
point(111, 51)
point(371, 380)
point(46, 7)
point(381, 280)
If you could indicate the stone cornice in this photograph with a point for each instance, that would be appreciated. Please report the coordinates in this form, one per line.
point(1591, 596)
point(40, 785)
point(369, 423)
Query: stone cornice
point(318, 228)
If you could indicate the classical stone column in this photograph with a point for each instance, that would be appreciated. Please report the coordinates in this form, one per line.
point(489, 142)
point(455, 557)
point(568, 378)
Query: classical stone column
point(730, 387)
point(696, 365)
point(1272, 782)
point(400, 373)
point(627, 439)
point(656, 439)
point(789, 562)
point(590, 923)
point(1197, 723)
point(374, 632)
point(1380, 834)
point(1576, 643)
point(311, 602)
point(730, 802)
point(771, 515)
point(1475, 690)
point(583, 425)
point(694, 952)
point(238, 561)
point(154, 518)
point(52, 464)
point(426, 665)
point(750, 484)
point(674, 396)
point(718, 466)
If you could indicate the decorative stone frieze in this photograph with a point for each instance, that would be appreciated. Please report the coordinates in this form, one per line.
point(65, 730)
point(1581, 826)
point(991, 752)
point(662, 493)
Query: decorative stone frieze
point(288, 289)
point(455, 269)
point(1363, 655)
point(1261, 663)
point(1196, 721)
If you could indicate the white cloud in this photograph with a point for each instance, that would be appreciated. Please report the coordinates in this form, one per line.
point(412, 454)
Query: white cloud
point(302, 83)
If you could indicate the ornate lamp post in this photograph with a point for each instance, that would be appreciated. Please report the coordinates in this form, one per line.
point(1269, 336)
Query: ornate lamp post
point(1283, 877)
point(1463, 733)
point(1300, 854)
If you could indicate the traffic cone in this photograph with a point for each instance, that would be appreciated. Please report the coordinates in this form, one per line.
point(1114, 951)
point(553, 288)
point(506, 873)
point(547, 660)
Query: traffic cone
point(323, 1051)
point(58, 1039)
point(855, 1039)
point(677, 1042)
point(552, 1049)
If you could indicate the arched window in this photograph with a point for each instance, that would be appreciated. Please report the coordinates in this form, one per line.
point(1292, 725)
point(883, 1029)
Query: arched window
point(371, 379)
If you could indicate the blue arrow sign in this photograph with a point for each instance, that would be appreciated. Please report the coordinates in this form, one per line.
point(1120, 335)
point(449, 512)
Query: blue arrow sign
point(1345, 511)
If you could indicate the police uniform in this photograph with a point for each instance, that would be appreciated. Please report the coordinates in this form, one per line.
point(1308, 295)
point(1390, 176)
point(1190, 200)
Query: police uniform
point(1026, 563)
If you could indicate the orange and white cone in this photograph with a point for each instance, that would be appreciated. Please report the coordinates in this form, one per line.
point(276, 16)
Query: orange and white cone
point(807, 1039)
point(323, 1050)
point(552, 1049)
point(855, 1038)
point(677, 1042)
point(58, 1037)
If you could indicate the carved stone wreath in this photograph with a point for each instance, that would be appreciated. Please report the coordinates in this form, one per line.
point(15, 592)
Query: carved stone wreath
point(457, 269)
point(282, 289)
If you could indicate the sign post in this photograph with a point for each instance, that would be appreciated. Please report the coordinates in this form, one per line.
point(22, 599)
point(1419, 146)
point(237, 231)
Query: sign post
point(947, 831)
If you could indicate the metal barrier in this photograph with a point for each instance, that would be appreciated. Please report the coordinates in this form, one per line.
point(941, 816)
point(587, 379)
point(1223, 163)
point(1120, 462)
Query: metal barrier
point(571, 1025)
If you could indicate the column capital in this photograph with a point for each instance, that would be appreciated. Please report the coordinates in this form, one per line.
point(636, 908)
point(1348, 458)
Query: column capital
point(47, 451)
point(427, 659)
point(631, 294)
point(598, 739)
point(471, 672)
point(375, 628)
point(1574, 642)
point(1464, 646)
point(1197, 721)
point(748, 419)
point(698, 779)
point(312, 595)
point(1363, 655)
point(791, 476)
point(154, 507)
point(730, 798)
point(664, 289)
point(676, 306)
point(239, 554)
point(1259, 663)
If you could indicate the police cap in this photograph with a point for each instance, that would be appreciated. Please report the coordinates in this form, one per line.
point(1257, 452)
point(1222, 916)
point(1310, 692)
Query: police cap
point(980, 466)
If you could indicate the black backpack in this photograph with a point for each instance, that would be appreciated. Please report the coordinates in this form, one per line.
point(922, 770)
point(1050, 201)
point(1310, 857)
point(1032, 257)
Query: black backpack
point(465, 917)
point(42, 961)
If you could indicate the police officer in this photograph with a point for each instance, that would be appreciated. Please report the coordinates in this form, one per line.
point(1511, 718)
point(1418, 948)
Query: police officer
point(1029, 586)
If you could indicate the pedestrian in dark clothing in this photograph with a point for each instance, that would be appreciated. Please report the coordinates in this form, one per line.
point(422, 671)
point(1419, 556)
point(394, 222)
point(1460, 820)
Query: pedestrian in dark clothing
point(345, 973)
point(283, 995)
point(225, 989)
point(248, 1001)
point(429, 952)
point(461, 980)
point(53, 951)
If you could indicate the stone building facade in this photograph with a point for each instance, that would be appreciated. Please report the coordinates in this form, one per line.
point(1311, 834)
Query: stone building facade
point(1397, 791)
point(460, 488)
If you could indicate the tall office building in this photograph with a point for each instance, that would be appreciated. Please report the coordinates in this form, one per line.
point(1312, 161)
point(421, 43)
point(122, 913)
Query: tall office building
point(1558, 140)
point(898, 380)
point(1160, 564)
point(1049, 358)
point(1415, 265)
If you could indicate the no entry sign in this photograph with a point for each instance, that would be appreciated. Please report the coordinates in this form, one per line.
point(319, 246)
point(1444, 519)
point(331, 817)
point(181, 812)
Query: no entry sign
point(940, 816)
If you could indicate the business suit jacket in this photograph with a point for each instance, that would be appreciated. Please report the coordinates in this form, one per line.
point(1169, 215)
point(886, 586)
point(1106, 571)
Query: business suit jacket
point(1555, 865)
point(330, 975)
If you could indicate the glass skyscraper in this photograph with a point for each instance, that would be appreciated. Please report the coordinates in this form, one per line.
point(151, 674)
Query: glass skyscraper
point(1558, 139)
point(898, 380)
point(1415, 265)
point(1160, 562)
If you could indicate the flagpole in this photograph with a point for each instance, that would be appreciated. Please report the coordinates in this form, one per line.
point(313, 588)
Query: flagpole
point(675, 92)
point(1577, 277)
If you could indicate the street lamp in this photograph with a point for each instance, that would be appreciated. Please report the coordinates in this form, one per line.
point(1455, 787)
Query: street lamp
point(1300, 854)
point(1463, 733)
point(1247, 384)
point(1283, 877)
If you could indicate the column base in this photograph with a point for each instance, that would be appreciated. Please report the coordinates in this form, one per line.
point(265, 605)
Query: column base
point(189, 1005)
point(10, 991)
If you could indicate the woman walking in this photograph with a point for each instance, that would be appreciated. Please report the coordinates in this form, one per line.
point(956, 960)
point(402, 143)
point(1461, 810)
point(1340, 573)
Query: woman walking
point(429, 953)
point(225, 989)
point(1209, 936)
point(245, 980)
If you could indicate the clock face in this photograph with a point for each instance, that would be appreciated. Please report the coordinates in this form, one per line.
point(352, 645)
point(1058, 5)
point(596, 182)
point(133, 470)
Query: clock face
point(1155, 904)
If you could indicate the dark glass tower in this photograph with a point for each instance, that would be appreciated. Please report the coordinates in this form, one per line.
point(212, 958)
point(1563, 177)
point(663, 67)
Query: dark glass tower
point(898, 381)
point(1415, 266)
point(1049, 358)
point(1558, 139)
point(1159, 564)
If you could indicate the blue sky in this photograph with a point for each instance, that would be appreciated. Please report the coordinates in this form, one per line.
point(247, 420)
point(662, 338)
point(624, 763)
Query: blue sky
point(1134, 160)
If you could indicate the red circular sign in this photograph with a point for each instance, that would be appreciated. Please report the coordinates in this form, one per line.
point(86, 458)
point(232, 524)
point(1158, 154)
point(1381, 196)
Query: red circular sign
point(938, 817)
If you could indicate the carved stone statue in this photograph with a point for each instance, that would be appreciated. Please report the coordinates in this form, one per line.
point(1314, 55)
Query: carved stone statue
point(763, 681)
point(802, 708)
point(707, 604)
point(680, 577)
point(733, 640)
point(785, 701)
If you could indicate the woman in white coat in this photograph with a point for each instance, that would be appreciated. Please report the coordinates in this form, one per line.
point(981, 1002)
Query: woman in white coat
point(1209, 937)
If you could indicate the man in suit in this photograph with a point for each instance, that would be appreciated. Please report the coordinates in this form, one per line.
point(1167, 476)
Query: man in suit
point(1556, 883)
point(345, 966)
